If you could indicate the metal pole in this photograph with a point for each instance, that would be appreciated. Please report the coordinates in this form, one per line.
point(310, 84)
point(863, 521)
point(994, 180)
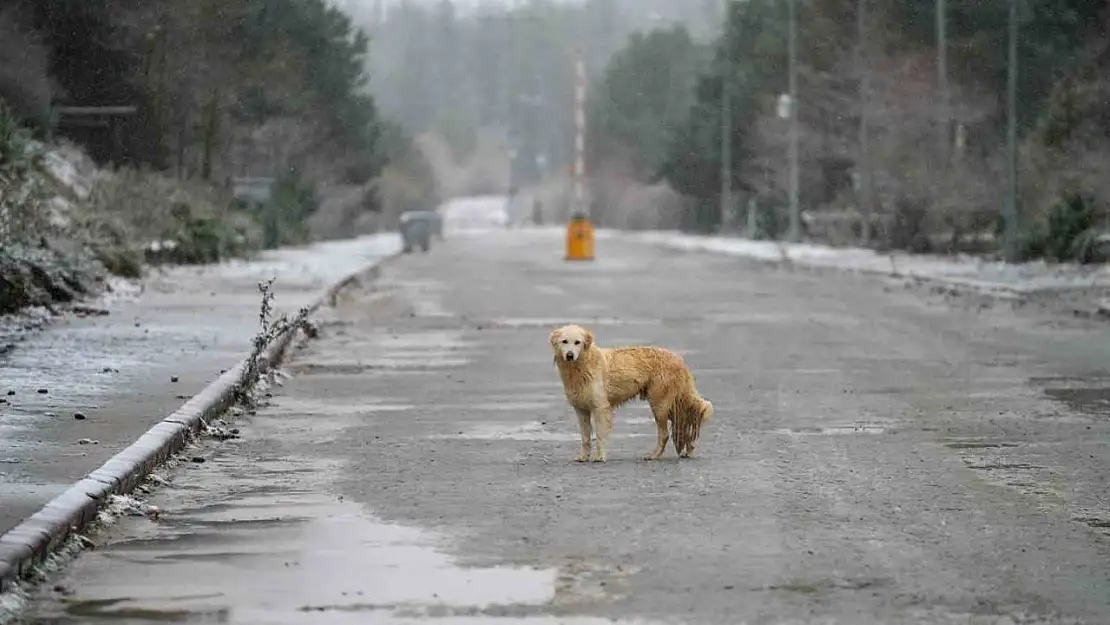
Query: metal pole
point(1011, 215)
point(580, 133)
point(945, 120)
point(865, 190)
point(795, 216)
point(726, 123)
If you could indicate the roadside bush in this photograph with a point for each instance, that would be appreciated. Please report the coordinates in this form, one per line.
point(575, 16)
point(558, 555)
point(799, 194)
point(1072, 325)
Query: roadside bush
point(23, 193)
point(1072, 231)
point(768, 221)
point(907, 226)
point(284, 218)
point(134, 215)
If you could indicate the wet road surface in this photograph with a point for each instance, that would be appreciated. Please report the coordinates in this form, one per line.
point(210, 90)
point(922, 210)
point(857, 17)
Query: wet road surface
point(77, 392)
point(875, 457)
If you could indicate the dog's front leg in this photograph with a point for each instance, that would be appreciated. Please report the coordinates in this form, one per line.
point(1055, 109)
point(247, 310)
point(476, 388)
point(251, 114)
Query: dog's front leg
point(585, 428)
point(604, 425)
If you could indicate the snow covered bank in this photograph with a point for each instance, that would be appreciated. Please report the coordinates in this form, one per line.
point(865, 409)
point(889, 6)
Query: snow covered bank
point(958, 270)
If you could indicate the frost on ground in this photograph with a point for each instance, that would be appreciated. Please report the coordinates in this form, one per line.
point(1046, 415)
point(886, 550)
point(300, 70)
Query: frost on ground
point(118, 289)
point(962, 270)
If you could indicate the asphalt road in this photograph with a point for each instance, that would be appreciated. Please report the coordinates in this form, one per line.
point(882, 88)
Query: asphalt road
point(876, 456)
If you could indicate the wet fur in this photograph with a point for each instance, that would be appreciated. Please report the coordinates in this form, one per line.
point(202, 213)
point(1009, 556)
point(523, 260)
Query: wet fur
point(599, 380)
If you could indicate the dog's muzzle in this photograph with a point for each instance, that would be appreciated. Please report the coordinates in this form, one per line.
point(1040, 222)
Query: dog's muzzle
point(569, 357)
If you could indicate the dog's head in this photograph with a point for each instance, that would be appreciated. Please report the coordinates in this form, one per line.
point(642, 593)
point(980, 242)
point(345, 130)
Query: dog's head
point(569, 342)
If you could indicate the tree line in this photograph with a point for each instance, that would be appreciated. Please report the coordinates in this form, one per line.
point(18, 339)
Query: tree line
point(935, 157)
point(502, 70)
point(219, 85)
point(203, 91)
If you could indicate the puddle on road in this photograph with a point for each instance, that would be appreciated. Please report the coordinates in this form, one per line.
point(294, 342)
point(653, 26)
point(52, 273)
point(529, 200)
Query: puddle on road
point(282, 559)
point(554, 322)
point(344, 368)
point(423, 351)
point(977, 444)
point(1091, 401)
point(836, 430)
point(1084, 395)
point(500, 406)
point(531, 431)
point(291, 405)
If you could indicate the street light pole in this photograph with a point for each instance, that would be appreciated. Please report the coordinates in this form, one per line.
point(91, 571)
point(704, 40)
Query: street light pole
point(795, 215)
point(1011, 214)
point(945, 121)
point(726, 122)
point(580, 133)
point(864, 165)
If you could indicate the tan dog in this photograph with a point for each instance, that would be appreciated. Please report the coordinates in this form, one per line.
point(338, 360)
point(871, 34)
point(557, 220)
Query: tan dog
point(597, 380)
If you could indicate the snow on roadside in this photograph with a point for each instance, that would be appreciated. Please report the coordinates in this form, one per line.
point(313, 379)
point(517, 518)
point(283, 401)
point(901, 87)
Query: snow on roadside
point(328, 261)
point(961, 270)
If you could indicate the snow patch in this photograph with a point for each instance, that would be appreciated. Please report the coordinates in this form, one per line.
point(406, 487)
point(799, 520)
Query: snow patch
point(962, 270)
point(329, 260)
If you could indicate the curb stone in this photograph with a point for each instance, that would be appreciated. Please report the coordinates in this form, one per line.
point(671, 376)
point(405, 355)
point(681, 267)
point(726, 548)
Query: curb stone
point(36, 537)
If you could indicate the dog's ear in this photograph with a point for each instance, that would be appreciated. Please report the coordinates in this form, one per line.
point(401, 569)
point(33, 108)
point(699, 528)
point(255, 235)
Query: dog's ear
point(588, 340)
point(553, 338)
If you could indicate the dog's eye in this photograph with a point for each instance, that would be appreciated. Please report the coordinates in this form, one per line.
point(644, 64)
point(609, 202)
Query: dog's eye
point(578, 342)
point(564, 341)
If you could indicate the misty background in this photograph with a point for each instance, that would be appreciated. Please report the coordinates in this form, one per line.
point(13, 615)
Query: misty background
point(228, 126)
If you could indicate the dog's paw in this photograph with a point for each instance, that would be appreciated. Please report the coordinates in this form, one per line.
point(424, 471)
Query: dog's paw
point(649, 458)
point(582, 458)
point(598, 458)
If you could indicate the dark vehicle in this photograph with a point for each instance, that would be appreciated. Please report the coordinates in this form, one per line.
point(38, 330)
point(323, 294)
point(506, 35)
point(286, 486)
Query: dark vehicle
point(417, 229)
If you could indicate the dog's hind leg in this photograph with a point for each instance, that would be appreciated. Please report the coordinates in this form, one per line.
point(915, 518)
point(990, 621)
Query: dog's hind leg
point(661, 412)
point(679, 433)
point(585, 428)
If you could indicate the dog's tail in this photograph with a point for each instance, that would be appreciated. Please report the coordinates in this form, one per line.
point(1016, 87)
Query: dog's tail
point(705, 411)
point(690, 414)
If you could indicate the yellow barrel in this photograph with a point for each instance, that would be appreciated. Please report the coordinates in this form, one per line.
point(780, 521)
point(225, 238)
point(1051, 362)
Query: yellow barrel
point(580, 238)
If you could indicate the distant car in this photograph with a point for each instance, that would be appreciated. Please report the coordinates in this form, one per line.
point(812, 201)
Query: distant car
point(417, 229)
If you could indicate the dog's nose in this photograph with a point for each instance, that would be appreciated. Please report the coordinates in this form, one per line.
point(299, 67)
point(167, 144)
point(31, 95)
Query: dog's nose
point(570, 356)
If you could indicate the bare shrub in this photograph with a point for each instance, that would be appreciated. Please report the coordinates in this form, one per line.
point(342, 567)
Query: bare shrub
point(622, 202)
point(341, 209)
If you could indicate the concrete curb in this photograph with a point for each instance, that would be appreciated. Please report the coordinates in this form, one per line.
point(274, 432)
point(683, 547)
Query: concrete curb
point(30, 542)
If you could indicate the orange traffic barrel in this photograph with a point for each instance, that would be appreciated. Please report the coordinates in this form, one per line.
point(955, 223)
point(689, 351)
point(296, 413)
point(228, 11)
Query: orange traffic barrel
point(580, 238)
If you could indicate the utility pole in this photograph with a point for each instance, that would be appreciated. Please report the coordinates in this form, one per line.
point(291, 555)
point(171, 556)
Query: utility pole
point(945, 114)
point(792, 45)
point(1011, 214)
point(864, 158)
point(726, 122)
point(580, 133)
